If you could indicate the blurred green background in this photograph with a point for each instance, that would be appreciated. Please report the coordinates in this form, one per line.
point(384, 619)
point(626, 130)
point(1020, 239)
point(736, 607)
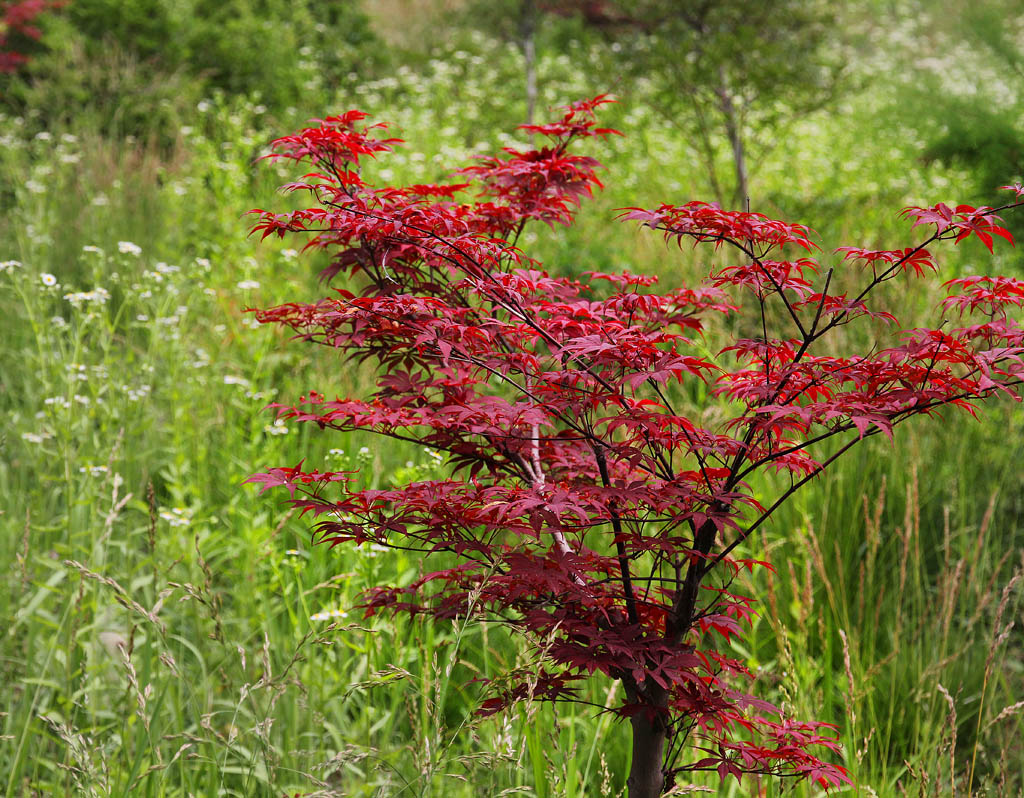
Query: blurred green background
point(172, 633)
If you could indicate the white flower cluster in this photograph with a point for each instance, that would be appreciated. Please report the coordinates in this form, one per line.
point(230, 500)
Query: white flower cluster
point(277, 428)
point(328, 615)
point(81, 372)
point(97, 296)
point(202, 359)
point(372, 549)
point(137, 393)
point(175, 516)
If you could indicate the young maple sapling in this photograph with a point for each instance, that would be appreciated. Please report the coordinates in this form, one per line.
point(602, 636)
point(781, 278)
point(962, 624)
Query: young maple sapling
point(582, 507)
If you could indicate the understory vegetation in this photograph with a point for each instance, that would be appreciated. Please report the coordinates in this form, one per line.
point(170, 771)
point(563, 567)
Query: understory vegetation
point(171, 633)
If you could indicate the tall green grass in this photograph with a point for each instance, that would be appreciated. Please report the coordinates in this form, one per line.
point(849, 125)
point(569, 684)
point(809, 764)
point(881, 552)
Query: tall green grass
point(171, 633)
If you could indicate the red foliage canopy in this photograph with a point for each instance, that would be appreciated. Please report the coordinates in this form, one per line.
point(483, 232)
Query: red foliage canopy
point(583, 509)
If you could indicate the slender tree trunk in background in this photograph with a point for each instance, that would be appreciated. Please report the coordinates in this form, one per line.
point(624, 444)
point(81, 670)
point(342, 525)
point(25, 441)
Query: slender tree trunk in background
point(646, 779)
point(527, 32)
point(709, 152)
point(732, 129)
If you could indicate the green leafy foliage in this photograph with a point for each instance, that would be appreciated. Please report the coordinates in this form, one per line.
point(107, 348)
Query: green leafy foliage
point(970, 117)
point(142, 65)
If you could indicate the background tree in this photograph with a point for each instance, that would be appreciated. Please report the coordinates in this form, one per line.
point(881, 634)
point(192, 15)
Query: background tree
point(728, 71)
point(722, 72)
point(537, 24)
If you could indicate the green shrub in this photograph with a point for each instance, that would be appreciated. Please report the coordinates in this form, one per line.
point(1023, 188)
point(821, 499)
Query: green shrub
point(139, 66)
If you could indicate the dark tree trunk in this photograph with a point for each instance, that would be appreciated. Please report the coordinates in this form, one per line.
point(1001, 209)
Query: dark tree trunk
point(650, 734)
point(646, 778)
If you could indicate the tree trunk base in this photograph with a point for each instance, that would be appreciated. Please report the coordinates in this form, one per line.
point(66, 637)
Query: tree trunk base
point(646, 779)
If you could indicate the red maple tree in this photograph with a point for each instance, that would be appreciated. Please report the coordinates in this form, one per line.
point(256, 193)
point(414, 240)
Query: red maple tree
point(583, 509)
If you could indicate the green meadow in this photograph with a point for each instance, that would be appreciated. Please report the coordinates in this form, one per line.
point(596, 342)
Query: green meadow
point(168, 631)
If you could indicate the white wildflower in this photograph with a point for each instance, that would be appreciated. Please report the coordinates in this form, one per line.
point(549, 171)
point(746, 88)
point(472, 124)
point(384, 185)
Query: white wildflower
point(372, 550)
point(128, 248)
point(277, 428)
point(202, 359)
point(328, 615)
point(135, 394)
point(97, 296)
point(175, 516)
